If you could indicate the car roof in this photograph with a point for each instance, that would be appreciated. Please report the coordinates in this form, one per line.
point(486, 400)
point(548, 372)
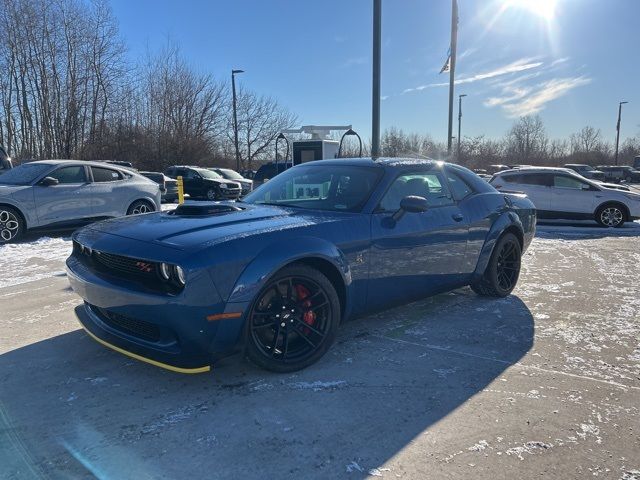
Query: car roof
point(377, 162)
point(537, 170)
point(95, 163)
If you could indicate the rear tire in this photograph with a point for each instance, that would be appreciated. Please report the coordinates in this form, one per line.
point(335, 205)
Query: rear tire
point(293, 320)
point(611, 216)
point(12, 225)
point(503, 270)
point(139, 207)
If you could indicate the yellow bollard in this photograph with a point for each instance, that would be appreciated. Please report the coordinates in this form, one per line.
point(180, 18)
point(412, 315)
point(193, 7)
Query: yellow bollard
point(180, 190)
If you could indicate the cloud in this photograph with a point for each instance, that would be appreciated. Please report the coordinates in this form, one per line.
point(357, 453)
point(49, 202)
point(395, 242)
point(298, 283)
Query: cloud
point(527, 101)
point(514, 67)
point(354, 61)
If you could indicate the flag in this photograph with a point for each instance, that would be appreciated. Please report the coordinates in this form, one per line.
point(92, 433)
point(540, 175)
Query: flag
point(447, 64)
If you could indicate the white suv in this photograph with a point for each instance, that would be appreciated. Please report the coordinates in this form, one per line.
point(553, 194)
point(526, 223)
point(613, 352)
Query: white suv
point(561, 193)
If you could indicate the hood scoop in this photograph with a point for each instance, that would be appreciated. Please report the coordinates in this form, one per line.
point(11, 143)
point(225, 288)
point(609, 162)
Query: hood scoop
point(204, 209)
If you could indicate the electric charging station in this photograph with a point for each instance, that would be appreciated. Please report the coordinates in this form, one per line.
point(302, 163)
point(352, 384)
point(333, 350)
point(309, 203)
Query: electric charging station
point(319, 146)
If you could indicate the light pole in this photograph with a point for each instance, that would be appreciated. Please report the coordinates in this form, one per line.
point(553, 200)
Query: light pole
point(618, 128)
point(459, 122)
point(452, 67)
point(235, 116)
point(375, 97)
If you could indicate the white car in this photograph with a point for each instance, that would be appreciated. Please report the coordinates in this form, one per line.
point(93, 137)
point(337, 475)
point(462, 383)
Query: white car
point(59, 194)
point(562, 193)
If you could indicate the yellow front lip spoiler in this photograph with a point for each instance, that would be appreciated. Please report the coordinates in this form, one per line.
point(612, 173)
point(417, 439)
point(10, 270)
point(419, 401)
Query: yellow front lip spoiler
point(204, 369)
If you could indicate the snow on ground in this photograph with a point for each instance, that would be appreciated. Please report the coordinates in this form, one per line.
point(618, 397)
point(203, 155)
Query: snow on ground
point(33, 260)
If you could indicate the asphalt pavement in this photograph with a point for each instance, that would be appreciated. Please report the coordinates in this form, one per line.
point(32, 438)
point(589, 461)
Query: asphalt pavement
point(545, 382)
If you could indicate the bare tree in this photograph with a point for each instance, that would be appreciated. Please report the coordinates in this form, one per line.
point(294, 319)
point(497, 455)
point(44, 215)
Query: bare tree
point(260, 119)
point(527, 141)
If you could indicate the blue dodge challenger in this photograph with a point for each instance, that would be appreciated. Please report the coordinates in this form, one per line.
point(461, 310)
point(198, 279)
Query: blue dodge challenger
point(275, 274)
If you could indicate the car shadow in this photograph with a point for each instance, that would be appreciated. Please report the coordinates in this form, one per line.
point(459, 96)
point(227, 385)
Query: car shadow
point(576, 230)
point(72, 408)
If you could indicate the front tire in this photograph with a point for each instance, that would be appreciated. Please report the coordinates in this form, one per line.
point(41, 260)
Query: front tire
point(611, 216)
point(293, 321)
point(12, 225)
point(212, 194)
point(503, 269)
point(139, 207)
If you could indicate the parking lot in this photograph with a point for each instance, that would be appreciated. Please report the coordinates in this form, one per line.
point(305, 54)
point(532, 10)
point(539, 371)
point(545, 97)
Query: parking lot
point(543, 382)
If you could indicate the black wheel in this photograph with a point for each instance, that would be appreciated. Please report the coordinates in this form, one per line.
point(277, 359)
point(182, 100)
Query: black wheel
point(611, 215)
point(140, 206)
point(293, 321)
point(11, 225)
point(503, 270)
point(212, 194)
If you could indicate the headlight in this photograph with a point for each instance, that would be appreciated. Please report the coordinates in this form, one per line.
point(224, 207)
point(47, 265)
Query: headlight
point(179, 273)
point(223, 185)
point(165, 271)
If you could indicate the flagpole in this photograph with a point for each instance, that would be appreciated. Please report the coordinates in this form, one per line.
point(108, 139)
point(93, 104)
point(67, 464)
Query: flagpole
point(452, 69)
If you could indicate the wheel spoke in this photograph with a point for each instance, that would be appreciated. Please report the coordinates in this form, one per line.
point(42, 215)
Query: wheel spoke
point(275, 340)
point(313, 329)
point(304, 337)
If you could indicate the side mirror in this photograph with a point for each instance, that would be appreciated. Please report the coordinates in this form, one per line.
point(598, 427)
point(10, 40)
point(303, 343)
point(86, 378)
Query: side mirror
point(49, 181)
point(411, 204)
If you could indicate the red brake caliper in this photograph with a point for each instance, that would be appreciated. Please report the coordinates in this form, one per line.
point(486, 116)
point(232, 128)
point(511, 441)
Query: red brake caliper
point(309, 316)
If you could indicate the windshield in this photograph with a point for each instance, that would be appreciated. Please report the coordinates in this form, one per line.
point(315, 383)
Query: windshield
point(230, 174)
point(24, 174)
point(204, 173)
point(318, 187)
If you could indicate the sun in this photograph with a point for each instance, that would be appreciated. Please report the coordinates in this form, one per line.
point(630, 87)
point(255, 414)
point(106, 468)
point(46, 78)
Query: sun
point(543, 8)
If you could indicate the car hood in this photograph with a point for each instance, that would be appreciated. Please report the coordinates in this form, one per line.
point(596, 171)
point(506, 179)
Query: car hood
point(192, 232)
point(614, 186)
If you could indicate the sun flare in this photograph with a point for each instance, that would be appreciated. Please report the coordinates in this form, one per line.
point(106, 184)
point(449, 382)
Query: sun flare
point(543, 8)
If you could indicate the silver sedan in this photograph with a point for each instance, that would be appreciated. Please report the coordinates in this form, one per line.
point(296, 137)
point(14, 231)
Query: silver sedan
point(59, 194)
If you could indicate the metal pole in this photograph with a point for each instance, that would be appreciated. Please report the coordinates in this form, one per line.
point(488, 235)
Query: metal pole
point(618, 129)
point(459, 126)
point(375, 99)
point(235, 118)
point(452, 67)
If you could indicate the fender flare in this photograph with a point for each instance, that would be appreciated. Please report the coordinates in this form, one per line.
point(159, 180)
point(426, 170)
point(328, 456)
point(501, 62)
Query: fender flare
point(277, 255)
point(506, 221)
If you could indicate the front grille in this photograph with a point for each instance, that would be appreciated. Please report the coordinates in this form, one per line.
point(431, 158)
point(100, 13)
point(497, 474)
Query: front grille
point(132, 326)
point(131, 266)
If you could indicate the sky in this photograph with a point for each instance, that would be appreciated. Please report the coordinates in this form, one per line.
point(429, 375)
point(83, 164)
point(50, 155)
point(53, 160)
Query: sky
point(570, 61)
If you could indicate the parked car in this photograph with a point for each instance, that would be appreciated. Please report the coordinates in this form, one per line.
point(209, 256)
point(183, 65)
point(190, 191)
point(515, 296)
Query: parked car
point(248, 174)
point(120, 163)
point(245, 183)
point(479, 171)
point(630, 174)
point(168, 186)
point(613, 173)
point(561, 193)
point(202, 183)
point(587, 171)
point(276, 274)
point(268, 171)
point(636, 162)
point(497, 168)
point(67, 193)
point(5, 161)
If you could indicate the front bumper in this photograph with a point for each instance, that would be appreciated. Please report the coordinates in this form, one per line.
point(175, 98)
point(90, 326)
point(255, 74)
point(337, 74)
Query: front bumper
point(230, 193)
point(171, 332)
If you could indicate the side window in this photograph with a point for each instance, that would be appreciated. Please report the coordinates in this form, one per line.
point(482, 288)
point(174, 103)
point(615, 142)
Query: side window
point(564, 181)
point(105, 175)
point(74, 174)
point(512, 178)
point(459, 187)
point(428, 185)
point(541, 179)
point(191, 174)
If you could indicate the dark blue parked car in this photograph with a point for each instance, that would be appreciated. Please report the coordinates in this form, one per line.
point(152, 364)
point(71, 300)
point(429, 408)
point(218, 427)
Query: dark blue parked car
point(277, 273)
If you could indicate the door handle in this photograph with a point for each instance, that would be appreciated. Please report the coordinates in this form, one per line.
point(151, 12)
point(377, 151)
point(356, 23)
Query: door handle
point(458, 217)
